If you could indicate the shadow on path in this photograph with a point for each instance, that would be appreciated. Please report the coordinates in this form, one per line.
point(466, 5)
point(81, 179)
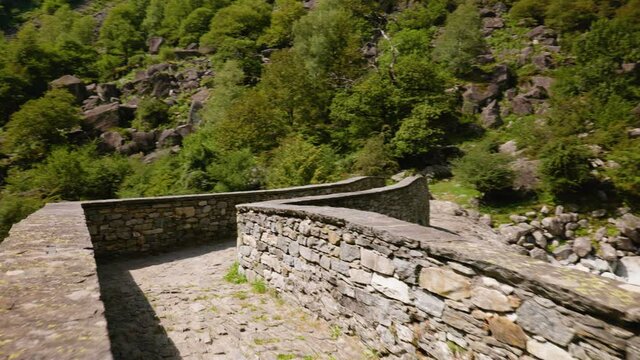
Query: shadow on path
point(134, 328)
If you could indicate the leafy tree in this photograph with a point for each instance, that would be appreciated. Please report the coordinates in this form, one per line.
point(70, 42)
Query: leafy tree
point(328, 41)
point(41, 124)
point(297, 162)
point(154, 15)
point(567, 15)
point(486, 171)
point(285, 14)
point(119, 34)
point(375, 158)
point(195, 25)
point(533, 9)
point(236, 170)
point(423, 131)
point(461, 40)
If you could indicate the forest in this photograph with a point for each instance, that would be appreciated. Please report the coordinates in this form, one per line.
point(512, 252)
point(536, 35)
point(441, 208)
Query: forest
point(512, 101)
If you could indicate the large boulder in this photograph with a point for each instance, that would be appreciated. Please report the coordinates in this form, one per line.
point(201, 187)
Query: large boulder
point(111, 141)
point(477, 96)
point(490, 116)
point(168, 138)
point(102, 118)
point(629, 268)
point(105, 117)
point(145, 141)
point(154, 44)
point(521, 106)
point(72, 84)
point(629, 226)
point(107, 91)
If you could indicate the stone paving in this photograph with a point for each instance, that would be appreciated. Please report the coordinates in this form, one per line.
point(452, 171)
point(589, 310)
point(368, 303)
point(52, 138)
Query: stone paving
point(178, 305)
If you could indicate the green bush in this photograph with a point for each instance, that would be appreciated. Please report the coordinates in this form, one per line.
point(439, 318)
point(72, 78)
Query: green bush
point(626, 176)
point(375, 158)
point(235, 170)
point(488, 172)
point(14, 208)
point(41, 124)
point(151, 114)
point(565, 167)
point(297, 162)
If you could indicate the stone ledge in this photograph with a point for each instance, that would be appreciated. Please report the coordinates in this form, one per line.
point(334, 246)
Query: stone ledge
point(50, 303)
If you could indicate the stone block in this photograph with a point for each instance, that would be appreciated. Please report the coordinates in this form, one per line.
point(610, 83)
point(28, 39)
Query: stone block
point(445, 283)
point(488, 299)
point(547, 351)
point(546, 322)
point(376, 262)
point(391, 287)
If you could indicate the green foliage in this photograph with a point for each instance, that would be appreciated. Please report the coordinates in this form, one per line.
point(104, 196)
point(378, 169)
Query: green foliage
point(163, 177)
point(41, 124)
point(565, 167)
point(195, 25)
point(423, 131)
point(234, 31)
point(375, 159)
point(120, 35)
point(626, 175)
point(285, 14)
point(234, 276)
point(151, 113)
point(423, 15)
point(328, 41)
point(259, 286)
point(15, 207)
point(72, 174)
point(297, 162)
point(461, 40)
point(486, 171)
point(235, 170)
point(533, 9)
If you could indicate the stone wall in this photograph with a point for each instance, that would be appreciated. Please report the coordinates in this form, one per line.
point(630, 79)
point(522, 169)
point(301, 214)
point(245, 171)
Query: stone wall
point(50, 305)
point(411, 291)
point(129, 226)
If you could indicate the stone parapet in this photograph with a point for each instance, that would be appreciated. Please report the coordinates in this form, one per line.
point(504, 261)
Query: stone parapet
point(412, 291)
point(50, 305)
point(134, 226)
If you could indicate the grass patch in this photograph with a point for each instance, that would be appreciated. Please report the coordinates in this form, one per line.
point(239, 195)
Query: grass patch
point(259, 287)
point(455, 348)
point(455, 191)
point(234, 276)
point(213, 309)
point(285, 357)
point(336, 332)
point(371, 354)
point(266, 341)
point(240, 295)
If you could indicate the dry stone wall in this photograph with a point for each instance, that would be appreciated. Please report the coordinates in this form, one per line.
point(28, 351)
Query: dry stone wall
point(131, 226)
point(413, 291)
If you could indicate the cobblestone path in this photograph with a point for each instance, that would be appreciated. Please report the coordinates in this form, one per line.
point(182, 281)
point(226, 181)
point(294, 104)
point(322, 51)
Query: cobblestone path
point(178, 305)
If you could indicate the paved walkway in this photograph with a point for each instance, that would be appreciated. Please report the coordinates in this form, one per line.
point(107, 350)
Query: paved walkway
point(178, 305)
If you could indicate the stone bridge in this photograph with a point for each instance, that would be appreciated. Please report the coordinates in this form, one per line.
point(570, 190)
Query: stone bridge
point(350, 270)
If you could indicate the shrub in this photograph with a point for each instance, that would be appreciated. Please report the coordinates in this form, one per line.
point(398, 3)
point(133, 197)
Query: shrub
point(565, 167)
point(14, 208)
point(626, 176)
point(151, 113)
point(374, 159)
point(487, 172)
point(297, 162)
point(41, 124)
point(235, 170)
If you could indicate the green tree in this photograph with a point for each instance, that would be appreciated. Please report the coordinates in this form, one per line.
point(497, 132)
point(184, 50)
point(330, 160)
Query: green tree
point(461, 40)
point(297, 162)
point(375, 158)
point(119, 34)
point(41, 124)
point(195, 25)
point(423, 131)
point(285, 14)
point(329, 40)
point(236, 170)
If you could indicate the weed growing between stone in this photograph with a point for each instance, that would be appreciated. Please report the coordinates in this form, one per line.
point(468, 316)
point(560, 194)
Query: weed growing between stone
point(234, 276)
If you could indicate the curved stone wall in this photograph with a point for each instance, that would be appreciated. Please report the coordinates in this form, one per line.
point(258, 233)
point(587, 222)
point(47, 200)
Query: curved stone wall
point(133, 226)
point(408, 289)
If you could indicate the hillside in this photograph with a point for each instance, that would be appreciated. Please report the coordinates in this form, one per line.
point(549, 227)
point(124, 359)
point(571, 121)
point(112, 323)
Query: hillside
point(505, 105)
